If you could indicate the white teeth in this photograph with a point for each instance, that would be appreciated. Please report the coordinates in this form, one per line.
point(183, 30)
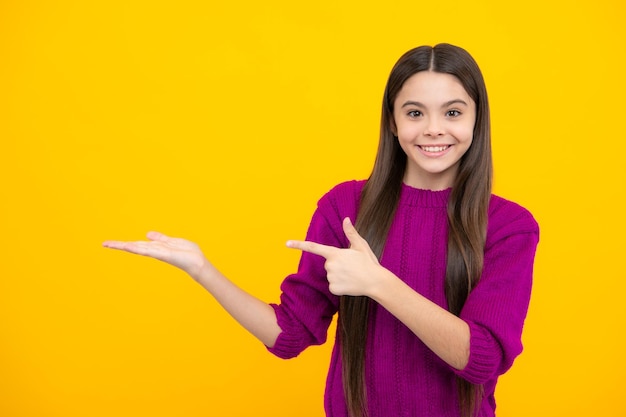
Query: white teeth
point(435, 148)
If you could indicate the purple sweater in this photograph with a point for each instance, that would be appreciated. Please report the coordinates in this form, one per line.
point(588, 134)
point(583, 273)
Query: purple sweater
point(403, 376)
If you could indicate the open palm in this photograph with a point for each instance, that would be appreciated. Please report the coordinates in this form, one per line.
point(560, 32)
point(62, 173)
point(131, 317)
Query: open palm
point(178, 252)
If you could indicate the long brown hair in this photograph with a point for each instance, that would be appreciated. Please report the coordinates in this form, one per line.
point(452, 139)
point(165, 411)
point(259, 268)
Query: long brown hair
point(467, 213)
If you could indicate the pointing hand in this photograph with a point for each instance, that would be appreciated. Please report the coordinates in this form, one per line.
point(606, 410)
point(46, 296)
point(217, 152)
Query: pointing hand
point(354, 271)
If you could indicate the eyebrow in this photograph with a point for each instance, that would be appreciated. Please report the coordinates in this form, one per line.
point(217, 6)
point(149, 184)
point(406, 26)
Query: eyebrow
point(446, 104)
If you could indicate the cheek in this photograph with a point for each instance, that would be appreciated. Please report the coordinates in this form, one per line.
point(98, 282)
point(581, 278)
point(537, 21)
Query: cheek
point(407, 131)
point(467, 142)
point(405, 139)
point(464, 133)
point(406, 143)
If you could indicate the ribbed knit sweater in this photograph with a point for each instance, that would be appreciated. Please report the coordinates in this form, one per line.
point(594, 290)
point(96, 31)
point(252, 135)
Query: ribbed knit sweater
point(403, 376)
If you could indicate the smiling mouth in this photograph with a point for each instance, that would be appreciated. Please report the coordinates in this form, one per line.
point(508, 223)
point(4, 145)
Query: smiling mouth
point(434, 149)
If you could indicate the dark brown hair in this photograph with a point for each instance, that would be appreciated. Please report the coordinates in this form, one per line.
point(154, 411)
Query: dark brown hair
point(467, 212)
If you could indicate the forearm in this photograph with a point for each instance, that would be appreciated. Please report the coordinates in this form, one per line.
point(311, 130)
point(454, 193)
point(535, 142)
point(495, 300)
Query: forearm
point(253, 314)
point(444, 333)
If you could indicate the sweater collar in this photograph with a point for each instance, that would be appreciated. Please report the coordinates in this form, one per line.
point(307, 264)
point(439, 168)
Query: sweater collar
point(423, 198)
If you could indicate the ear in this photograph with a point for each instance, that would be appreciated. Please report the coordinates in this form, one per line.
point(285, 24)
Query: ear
point(393, 128)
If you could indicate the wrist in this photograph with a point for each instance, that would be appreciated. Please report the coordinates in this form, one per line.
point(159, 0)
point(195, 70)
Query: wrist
point(381, 284)
point(204, 272)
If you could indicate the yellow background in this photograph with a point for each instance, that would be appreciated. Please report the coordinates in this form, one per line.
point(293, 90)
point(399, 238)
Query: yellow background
point(224, 122)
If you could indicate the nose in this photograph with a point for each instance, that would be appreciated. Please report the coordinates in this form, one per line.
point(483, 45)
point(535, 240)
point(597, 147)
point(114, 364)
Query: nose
point(434, 127)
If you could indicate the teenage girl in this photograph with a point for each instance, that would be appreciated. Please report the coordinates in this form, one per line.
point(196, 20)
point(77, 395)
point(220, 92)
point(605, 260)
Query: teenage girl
point(429, 272)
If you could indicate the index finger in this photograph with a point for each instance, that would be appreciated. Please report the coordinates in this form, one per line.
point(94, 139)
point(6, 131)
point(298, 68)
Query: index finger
point(311, 247)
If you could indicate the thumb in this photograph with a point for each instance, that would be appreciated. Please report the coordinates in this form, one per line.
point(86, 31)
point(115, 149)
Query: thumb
point(355, 239)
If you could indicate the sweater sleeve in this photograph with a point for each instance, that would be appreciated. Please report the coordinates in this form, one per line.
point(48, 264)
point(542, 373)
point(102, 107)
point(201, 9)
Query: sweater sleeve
point(496, 308)
point(306, 304)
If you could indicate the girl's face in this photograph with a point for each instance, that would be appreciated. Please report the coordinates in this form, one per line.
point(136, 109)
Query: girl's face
point(434, 121)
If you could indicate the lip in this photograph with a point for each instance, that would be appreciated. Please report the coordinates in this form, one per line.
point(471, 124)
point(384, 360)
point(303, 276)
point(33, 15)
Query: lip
point(434, 154)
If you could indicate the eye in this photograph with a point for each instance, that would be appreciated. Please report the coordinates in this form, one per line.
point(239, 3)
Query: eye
point(414, 113)
point(453, 113)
